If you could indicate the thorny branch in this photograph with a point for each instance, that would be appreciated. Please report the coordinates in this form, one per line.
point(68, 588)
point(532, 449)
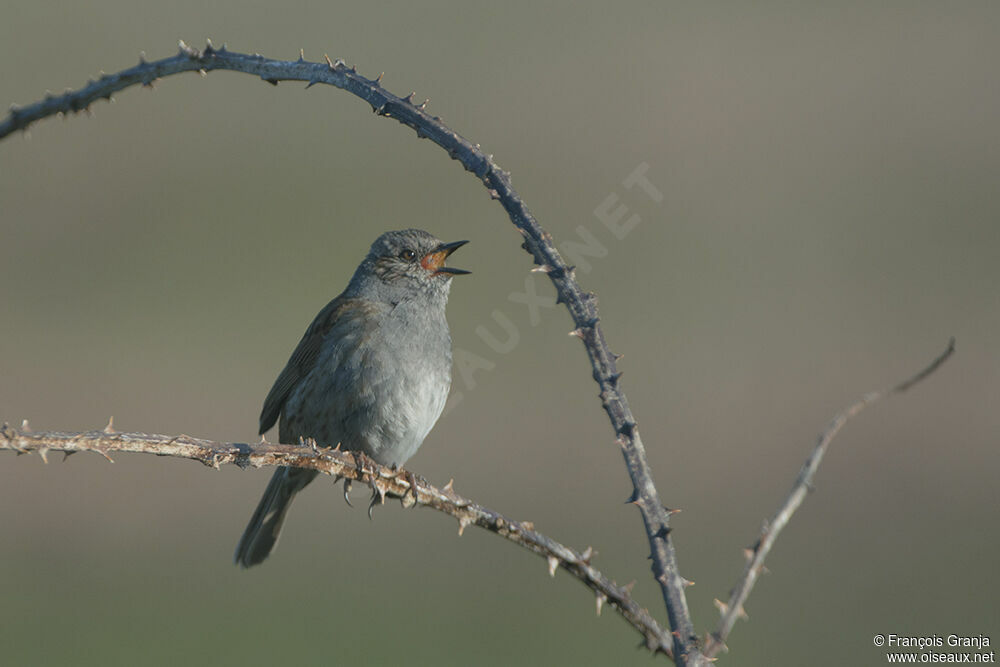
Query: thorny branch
point(386, 482)
point(537, 242)
point(583, 310)
point(756, 554)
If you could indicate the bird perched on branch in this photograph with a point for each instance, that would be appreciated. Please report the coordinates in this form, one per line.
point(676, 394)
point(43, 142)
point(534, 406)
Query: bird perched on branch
point(371, 373)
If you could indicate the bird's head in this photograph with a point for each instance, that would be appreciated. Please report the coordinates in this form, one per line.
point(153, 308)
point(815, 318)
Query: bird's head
point(407, 263)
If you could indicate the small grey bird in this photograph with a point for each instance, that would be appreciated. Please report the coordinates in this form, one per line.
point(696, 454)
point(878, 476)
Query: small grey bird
point(372, 372)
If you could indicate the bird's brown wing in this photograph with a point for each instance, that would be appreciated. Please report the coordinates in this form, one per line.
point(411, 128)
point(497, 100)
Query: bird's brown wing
point(302, 360)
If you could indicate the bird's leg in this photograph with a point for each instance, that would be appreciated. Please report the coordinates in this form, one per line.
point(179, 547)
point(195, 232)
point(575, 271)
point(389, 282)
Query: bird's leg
point(359, 463)
point(361, 460)
point(365, 464)
point(412, 480)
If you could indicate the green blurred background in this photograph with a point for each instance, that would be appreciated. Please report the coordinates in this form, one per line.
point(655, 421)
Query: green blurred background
point(829, 219)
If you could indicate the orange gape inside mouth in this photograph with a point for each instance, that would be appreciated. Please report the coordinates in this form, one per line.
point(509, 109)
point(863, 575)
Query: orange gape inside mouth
point(434, 260)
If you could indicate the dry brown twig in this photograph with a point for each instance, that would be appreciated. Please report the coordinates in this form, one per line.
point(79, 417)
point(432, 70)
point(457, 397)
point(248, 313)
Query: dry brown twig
point(681, 642)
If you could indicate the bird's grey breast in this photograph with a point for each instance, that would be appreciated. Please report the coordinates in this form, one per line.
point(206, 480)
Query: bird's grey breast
point(379, 384)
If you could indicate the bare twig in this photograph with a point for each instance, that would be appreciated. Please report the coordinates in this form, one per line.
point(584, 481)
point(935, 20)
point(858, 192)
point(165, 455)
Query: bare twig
point(756, 554)
point(384, 481)
point(582, 306)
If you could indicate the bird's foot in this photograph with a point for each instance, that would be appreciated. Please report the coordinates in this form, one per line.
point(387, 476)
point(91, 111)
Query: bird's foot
point(412, 481)
point(364, 464)
point(378, 497)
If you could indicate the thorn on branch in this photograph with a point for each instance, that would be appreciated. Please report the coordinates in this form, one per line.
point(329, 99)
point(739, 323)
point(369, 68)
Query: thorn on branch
point(606, 395)
point(659, 648)
point(717, 639)
point(110, 428)
point(553, 564)
point(628, 430)
point(186, 50)
point(601, 599)
point(463, 522)
point(561, 272)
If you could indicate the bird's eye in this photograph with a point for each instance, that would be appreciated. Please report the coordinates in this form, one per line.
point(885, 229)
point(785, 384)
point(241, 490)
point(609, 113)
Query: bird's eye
point(408, 255)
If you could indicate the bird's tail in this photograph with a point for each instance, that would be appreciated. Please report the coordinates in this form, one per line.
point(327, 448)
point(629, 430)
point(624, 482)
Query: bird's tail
point(262, 532)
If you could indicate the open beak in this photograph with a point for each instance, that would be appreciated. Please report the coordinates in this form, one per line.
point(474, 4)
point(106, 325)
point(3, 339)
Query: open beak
point(434, 260)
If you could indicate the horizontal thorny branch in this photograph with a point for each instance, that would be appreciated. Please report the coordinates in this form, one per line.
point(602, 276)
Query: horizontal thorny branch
point(384, 482)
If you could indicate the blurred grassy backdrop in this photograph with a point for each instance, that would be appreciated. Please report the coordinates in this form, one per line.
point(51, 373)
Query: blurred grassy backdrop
point(829, 218)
